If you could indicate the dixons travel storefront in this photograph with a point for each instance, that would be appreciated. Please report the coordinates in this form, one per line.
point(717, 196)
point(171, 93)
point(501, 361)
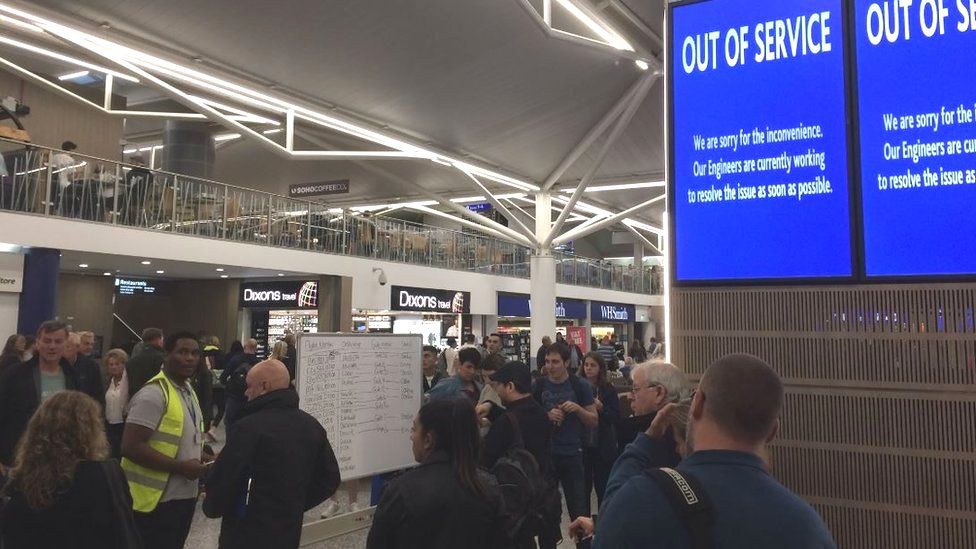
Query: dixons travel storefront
point(271, 308)
point(514, 312)
point(433, 313)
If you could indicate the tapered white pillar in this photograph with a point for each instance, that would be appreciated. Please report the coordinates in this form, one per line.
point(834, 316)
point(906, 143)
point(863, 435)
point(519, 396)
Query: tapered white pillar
point(543, 277)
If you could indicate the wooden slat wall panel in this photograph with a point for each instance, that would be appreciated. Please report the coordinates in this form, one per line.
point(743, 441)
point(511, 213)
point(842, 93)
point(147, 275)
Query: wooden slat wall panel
point(879, 424)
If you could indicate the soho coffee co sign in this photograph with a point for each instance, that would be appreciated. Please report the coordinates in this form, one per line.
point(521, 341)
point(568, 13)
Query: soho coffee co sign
point(320, 188)
point(428, 300)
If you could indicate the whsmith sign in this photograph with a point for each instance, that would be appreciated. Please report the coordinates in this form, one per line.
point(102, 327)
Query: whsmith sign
point(427, 300)
point(321, 188)
point(611, 312)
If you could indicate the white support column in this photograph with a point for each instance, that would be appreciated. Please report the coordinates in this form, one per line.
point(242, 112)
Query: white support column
point(543, 297)
point(542, 285)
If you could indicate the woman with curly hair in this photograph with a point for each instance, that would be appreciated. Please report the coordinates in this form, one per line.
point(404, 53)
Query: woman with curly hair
point(64, 492)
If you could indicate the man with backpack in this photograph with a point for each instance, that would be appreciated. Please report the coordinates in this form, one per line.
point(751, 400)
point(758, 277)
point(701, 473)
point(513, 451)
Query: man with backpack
point(517, 450)
point(721, 493)
point(234, 379)
point(569, 403)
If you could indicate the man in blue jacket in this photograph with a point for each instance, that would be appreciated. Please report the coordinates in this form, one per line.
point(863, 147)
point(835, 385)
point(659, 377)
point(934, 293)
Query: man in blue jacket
point(733, 415)
point(463, 384)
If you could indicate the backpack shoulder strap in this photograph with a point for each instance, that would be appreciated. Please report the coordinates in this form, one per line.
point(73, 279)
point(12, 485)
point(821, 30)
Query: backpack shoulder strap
point(577, 389)
point(537, 390)
point(689, 501)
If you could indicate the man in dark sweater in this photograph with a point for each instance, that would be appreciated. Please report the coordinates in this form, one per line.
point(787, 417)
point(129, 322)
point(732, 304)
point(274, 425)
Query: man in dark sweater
point(733, 415)
point(278, 464)
point(24, 386)
point(513, 383)
point(234, 378)
point(526, 417)
point(145, 364)
point(88, 372)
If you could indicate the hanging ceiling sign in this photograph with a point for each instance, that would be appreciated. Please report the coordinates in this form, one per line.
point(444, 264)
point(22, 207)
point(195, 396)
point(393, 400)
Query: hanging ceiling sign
point(321, 188)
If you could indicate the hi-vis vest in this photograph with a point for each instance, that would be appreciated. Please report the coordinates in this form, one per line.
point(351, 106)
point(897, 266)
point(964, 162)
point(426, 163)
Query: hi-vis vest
point(147, 485)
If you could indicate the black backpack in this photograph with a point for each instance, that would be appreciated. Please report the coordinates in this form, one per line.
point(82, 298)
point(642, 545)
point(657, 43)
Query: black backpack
point(531, 500)
point(237, 381)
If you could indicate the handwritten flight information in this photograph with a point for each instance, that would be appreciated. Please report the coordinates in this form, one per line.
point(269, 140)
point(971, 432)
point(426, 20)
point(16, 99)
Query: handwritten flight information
point(365, 389)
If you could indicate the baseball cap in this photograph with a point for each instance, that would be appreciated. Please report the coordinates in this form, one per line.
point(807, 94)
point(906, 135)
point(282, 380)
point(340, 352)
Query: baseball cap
point(513, 372)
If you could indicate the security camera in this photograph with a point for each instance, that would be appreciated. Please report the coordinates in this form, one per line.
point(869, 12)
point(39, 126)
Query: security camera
point(382, 278)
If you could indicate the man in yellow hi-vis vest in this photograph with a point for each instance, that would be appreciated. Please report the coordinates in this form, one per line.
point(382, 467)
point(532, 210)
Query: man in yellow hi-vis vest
point(162, 448)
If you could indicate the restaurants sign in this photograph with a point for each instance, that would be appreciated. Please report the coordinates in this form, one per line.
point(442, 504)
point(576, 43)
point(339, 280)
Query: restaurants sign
point(321, 188)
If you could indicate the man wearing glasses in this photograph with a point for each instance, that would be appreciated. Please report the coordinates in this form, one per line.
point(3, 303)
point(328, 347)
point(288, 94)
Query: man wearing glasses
point(656, 384)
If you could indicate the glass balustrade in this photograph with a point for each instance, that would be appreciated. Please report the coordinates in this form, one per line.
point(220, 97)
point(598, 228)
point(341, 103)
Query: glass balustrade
point(42, 181)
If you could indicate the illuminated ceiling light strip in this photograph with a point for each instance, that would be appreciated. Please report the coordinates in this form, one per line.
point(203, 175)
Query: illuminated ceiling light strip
point(84, 41)
point(228, 89)
point(619, 187)
point(274, 131)
point(73, 75)
point(356, 154)
point(643, 226)
point(598, 27)
point(19, 23)
point(498, 178)
point(234, 110)
point(45, 82)
point(226, 137)
point(375, 207)
point(67, 59)
point(461, 220)
point(468, 199)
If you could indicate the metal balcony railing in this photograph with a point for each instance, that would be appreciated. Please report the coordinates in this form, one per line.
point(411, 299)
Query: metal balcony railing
point(42, 181)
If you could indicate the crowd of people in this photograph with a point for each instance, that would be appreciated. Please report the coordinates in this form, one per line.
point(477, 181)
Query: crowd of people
point(117, 454)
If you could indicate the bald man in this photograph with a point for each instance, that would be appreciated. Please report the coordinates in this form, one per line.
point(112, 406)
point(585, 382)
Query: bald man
point(277, 464)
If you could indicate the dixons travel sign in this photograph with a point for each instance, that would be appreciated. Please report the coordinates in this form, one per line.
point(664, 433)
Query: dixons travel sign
point(302, 294)
point(428, 300)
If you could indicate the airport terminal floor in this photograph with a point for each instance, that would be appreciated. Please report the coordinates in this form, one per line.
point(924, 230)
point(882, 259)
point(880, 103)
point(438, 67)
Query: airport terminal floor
point(519, 274)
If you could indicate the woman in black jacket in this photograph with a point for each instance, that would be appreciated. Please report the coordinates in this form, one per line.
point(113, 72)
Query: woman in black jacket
point(446, 502)
point(600, 448)
point(64, 492)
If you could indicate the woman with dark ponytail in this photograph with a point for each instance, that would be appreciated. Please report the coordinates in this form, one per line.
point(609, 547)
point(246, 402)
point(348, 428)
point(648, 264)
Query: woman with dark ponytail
point(446, 502)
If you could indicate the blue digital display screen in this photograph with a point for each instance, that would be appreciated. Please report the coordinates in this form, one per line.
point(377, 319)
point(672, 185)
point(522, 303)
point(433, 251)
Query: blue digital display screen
point(916, 99)
point(759, 141)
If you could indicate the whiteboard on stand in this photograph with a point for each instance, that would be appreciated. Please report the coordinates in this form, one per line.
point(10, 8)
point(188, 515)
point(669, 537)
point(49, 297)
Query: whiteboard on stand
point(365, 389)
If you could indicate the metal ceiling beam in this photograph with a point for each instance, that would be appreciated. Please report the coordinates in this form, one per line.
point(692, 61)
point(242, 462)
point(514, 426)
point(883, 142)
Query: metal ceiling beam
point(544, 22)
point(445, 215)
point(501, 207)
point(519, 208)
point(497, 228)
point(591, 136)
point(582, 230)
point(644, 85)
point(642, 239)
